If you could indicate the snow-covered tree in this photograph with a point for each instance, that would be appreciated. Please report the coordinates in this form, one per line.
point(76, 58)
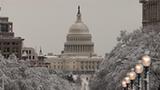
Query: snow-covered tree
point(19, 76)
point(125, 55)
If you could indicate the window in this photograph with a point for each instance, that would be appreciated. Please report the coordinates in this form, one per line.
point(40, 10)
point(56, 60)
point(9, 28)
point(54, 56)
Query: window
point(13, 43)
point(86, 67)
point(74, 67)
point(29, 57)
point(8, 43)
point(26, 51)
point(82, 62)
point(93, 67)
point(29, 51)
point(4, 27)
point(32, 57)
point(82, 67)
point(14, 50)
point(54, 66)
point(89, 67)
point(4, 43)
point(8, 49)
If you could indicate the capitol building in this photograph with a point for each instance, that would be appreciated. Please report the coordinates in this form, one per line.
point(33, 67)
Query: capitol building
point(78, 55)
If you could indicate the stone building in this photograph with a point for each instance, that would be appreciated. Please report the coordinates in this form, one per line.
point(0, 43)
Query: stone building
point(8, 42)
point(78, 55)
point(29, 53)
point(35, 59)
point(74, 64)
point(79, 40)
point(41, 60)
point(151, 12)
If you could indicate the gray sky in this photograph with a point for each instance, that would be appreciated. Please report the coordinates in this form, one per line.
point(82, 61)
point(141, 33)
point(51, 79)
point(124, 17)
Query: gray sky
point(45, 23)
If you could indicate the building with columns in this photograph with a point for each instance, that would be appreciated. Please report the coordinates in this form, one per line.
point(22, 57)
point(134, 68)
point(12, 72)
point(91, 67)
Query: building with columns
point(79, 40)
point(151, 12)
point(78, 55)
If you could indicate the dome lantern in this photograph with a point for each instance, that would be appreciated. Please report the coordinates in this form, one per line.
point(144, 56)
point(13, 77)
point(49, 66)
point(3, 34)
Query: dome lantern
point(79, 27)
point(79, 15)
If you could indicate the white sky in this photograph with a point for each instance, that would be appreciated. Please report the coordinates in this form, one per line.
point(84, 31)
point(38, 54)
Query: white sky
point(45, 23)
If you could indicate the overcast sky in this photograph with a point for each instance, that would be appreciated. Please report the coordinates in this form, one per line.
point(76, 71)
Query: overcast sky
point(45, 23)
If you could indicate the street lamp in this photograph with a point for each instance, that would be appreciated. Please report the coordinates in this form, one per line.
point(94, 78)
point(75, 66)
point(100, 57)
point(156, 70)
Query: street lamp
point(139, 70)
point(146, 61)
point(124, 84)
point(132, 77)
point(127, 81)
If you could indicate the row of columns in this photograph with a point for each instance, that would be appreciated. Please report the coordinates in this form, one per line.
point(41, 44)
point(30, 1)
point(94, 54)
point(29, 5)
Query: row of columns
point(79, 48)
point(151, 11)
point(78, 39)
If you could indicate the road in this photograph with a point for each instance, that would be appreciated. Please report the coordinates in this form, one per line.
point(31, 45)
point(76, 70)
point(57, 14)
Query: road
point(84, 83)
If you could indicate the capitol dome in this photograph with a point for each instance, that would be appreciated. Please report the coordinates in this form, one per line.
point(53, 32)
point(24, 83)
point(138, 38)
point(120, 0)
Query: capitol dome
point(78, 27)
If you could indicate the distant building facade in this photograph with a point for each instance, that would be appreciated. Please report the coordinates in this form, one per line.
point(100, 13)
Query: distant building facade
point(35, 59)
point(78, 55)
point(151, 12)
point(8, 42)
point(74, 64)
point(29, 53)
point(41, 60)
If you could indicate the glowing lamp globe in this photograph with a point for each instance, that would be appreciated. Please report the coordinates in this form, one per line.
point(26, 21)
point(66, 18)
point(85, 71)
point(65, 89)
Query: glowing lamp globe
point(139, 68)
point(132, 75)
point(124, 84)
point(146, 61)
point(127, 80)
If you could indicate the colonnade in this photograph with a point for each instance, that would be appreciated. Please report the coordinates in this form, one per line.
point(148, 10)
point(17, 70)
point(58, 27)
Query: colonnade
point(78, 48)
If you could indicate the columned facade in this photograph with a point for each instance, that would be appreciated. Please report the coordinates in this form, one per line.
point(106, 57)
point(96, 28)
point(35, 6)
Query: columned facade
point(151, 12)
point(79, 40)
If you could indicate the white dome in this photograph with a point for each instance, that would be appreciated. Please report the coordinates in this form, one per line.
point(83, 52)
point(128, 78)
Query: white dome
point(79, 28)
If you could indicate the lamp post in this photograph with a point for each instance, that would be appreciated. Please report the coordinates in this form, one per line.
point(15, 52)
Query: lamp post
point(3, 77)
point(127, 82)
point(146, 61)
point(132, 77)
point(124, 84)
point(139, 70)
